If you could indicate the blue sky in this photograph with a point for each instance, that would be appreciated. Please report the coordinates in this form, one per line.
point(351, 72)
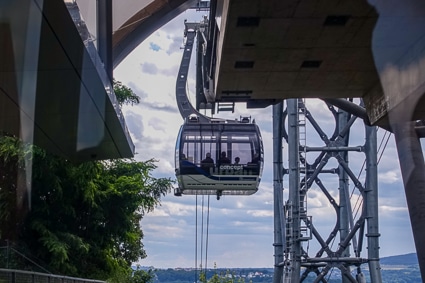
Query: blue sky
point(240, 228)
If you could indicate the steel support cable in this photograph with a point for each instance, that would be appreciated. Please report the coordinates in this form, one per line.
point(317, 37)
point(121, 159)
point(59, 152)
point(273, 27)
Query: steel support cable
point(385, 146)
point(206, 241)
point(358, 177)
point(196, 237)
point(360, 201)
point(382, 140)
point(202, 231)
point(202, 267)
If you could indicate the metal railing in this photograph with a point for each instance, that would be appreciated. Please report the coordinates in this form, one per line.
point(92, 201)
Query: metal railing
point(20, 276)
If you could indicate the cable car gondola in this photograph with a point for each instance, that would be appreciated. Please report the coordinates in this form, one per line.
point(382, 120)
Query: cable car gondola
point(218, 158)
point(213, 157)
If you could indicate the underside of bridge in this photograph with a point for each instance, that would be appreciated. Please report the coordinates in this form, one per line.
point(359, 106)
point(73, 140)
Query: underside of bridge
point(266, 51)
point(54, 92)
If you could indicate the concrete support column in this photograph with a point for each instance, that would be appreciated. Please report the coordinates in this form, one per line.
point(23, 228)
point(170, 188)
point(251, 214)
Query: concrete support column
point(413, 172)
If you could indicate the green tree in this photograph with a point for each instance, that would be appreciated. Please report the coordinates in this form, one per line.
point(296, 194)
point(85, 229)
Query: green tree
point(77, 219)
point(222, 277)
point(13, 189)
point(124, 94)
point(133, 276)
point(86, 218)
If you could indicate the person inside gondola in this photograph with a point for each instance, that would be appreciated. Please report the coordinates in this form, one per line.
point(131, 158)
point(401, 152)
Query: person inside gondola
point(255, 159)
point(224, 159)
point(207, 163)
point(237, 167)
point(255, 162)
point(253, 166)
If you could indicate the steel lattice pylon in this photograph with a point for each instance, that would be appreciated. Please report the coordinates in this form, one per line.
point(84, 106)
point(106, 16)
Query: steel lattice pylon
point(304, 251)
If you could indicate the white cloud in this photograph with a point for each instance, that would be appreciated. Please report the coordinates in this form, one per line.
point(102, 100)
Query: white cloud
point(239, 204)
point(260, 213)
point(389, 177)
point(176, 209)
point(392, 208)
point(158, 212)
point(162, 231)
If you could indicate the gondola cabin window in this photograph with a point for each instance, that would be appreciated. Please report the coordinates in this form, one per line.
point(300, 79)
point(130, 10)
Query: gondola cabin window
point(224, 157)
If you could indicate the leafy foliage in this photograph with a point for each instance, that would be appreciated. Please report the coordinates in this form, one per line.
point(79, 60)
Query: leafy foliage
point(221, 277)
point(124, 94)
point(136, 276)
point(13, 188)
point(85, 218)
point(141, 276)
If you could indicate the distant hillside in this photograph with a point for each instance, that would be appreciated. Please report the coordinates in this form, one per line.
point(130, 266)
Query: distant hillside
point(407, 259)
point(395, 269)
